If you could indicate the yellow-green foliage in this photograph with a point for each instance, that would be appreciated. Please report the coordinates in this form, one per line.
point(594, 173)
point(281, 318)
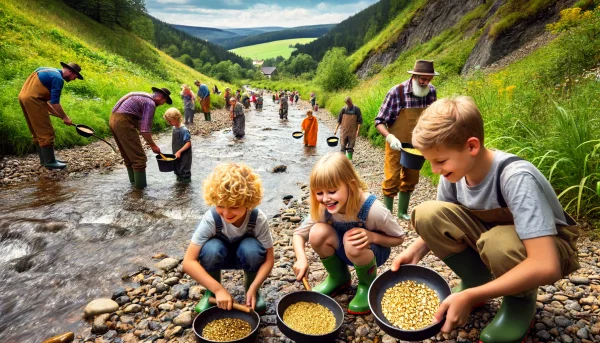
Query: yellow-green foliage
point(514, 11)
point(114, 62)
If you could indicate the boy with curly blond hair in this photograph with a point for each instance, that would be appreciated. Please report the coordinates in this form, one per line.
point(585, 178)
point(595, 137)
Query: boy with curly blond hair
point(233, 234)
point(497, 223)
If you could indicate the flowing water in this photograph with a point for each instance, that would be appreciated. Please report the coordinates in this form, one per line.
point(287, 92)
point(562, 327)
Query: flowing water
point(63, 244)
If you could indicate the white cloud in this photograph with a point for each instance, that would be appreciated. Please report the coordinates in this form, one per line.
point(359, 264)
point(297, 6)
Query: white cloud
point(172, 1)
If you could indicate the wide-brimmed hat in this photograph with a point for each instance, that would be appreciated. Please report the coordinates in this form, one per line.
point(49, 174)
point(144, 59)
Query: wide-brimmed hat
point(164, 91)
point(74, 67)
point(423, 67)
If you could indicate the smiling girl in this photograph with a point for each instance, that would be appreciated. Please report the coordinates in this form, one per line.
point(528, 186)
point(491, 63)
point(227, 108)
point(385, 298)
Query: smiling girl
point(233, 234)
point(347, 226)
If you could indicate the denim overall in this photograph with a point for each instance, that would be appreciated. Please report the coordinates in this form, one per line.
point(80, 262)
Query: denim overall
point(381, 253)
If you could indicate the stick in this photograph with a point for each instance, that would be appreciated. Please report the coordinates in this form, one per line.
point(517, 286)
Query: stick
point(236, 306)
point(306, 284)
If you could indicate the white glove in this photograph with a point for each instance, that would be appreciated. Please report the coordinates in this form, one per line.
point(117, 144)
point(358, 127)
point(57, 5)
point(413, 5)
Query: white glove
point(393, 142)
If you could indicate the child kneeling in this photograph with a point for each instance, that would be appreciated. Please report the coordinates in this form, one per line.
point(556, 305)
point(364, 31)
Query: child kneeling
point(347, 226)
point(497, 223)
point(233, 234)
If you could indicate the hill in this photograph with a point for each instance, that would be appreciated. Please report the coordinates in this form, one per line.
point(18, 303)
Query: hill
point(271, 49)
point(313, 31)
point(207, 33)
point(114, 62)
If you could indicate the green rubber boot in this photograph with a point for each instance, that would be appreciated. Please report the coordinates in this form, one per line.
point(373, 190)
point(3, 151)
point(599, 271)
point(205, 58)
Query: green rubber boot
point(403, 200)
point(366, 275)
point(203, 304)
point(140, 179)
point(209, 117)
point(388, 202)
point(38, 149)
point(338, 278)
point(349, 155)
point(512, 321)
point(468, 265)
point(130, 174)
point(49, 159)
point(261, 305)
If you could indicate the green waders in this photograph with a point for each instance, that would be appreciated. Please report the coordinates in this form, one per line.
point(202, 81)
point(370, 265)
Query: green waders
point(403, 200)
point(388, 202)
point(140, 179)
point(131, 175)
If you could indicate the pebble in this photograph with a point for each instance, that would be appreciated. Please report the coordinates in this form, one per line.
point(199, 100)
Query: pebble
point(133, 308)
point(172, 281)
point(99, 325)
point(579, 280)
point(165, 307)
point(100, 306)
point(195, 292)
point(161, 287)
point(176, 331)
point(543, 335)
point(119, 292)
point(184, 319)
point(122, 300)
point(562, 321)
point(582, 333)
point(566, 338)
point(167, 264)
point(180, 291)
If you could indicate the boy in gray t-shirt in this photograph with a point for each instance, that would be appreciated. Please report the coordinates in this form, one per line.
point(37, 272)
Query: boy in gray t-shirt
point(233, 234)
point(181, 144)
point(497, 223)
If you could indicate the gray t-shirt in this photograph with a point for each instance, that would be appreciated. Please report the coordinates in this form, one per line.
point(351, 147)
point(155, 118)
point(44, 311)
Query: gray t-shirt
point(206, 229)
point(529, 196)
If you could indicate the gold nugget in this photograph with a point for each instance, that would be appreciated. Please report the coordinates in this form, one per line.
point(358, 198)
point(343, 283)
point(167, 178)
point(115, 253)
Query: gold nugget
point(410, 305)
point(226, 330)
point(309, 318)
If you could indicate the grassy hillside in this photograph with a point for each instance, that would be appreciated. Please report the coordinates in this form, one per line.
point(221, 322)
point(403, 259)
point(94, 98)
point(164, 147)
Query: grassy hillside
point(543, 107)
point(42, 33)
point(313, 31)
point(271, 49)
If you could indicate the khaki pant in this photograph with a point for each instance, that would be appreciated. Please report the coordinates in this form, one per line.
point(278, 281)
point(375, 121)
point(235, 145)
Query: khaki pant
point(205, 104)
point(448, 229)
point(397, 177)
point(33, 99)
point(124, 128)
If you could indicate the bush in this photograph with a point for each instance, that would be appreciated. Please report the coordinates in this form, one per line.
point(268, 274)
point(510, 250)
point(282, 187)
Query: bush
point(334, 73)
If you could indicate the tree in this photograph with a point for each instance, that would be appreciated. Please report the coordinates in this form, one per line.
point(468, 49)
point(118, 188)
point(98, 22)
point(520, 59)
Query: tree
point(143, 27)
point(334, 71)
point(187, 60)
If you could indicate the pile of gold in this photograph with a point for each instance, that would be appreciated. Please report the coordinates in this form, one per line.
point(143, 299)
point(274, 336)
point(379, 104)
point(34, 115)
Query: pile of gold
point(309, 318)
point(226, 330)
point(412, 151)
point(86, 130)
point(167, 159)
point(410, 305)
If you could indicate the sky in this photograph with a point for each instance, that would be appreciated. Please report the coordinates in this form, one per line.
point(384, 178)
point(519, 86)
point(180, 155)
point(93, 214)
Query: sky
point(243, 13)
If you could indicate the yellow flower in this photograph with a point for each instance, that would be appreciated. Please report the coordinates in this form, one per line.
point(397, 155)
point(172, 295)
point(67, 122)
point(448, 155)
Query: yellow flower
point(510, 89)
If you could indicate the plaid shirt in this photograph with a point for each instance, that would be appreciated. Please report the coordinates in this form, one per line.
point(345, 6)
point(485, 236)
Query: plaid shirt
point(140, 105)
point(394, 102)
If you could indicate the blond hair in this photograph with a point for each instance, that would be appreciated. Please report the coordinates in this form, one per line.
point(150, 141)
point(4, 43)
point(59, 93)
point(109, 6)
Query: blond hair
point(173, 114)
point(330, 172)
point(233, 185)
point(448, 122)
point(309, 113)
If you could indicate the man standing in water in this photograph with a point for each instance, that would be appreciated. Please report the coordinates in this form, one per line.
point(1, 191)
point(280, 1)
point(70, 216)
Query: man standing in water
point(133, 112)
point(350, 119)
point(204, 97)
point(396, 120)
point(39, 97)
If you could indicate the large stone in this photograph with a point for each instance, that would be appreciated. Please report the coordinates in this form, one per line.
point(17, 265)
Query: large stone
point(167, 264)
point(99, 326)
point(184, 319)
point(100, 306)
point(172, 281)
point(196, 292)
point(562, 321)
point(543, 335)
point(579, 280)
point(583, 333)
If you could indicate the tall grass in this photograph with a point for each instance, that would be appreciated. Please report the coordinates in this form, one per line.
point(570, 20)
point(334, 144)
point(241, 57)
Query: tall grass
point(114, 62)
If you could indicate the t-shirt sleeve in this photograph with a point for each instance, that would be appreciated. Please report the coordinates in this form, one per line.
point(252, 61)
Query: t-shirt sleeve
point(57, 86)
point(304, 228)
point(262, 231)
point(205, 229)
point(341, 115)
point(527, 202)
point(446, 192)
point(359, 118)
point(186, 137)
point(383, 220)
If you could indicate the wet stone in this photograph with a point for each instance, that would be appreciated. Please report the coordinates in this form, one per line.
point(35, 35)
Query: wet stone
point(133, 308)
point(562, 321)
point(100, 306)
point(122, 300)
point(99, 325)
point(161, 287)
point(579, 280)
point(119, 292)
point(180, 291)
point(167, 264)
point(172, 281)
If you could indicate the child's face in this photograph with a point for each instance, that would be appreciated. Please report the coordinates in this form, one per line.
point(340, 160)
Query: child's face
point(233, 215)
point(452, 164)
point(173, 122)
point(333, 199)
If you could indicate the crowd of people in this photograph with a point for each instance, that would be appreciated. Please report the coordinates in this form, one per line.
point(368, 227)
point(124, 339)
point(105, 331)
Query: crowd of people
point(497, 222)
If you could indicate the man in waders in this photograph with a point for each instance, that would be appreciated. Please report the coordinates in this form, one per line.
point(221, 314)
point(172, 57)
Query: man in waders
point(133, 112)
point(39, 97)
point(396, 120)
point(350, 119)
point(204, 97)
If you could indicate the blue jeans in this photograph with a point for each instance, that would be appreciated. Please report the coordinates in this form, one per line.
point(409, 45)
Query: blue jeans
point(247, 254)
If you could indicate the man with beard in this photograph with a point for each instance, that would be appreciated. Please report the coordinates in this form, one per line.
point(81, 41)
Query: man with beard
point(395, 121)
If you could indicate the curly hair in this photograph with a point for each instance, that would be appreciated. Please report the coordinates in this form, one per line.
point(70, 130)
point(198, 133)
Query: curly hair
point(233, 185)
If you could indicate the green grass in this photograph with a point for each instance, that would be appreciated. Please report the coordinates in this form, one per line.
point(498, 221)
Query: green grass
point(114, 62)
point(271, 49)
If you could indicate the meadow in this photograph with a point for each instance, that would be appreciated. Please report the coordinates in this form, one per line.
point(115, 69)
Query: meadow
point(271, 49)
point(114, 62)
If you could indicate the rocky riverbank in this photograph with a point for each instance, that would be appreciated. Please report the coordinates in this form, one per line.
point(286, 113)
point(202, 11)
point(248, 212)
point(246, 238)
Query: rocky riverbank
point(96, 157)
point(158, 304)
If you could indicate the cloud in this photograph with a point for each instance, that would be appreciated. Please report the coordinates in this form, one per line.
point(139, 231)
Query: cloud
point(256, 15)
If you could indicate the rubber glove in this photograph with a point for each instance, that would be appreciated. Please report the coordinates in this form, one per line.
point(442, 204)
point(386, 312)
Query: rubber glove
point(393, 142)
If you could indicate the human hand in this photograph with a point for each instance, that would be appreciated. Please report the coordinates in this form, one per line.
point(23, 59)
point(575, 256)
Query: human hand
point(335, 133)
point(155, 149)
point(405, 257)
point(251, 297)
point(457, 308)
point(360, 238)
point(224, 299)
point(357, 133)
point(393, 142)
point(300, 268)
point(67, 121)
point(178, 154)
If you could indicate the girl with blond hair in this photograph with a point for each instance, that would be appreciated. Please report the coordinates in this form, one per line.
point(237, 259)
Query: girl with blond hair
point(347, 226)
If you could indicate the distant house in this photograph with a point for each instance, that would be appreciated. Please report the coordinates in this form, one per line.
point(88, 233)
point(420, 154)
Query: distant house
point(269, 71)
point(258, 62)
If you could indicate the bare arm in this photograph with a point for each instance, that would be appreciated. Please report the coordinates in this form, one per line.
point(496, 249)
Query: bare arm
point(261, 276)
point(358, 130)
point(148, 138)
point(382, 129)
point(57, 111)
point(336, 128)
point(385, 240)
point(301, 265)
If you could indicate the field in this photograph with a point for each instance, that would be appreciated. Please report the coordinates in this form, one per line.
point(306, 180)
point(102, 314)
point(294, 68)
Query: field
point(271, 49)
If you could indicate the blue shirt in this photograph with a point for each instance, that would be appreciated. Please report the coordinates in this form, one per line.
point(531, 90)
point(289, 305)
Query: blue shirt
point(52, 79)
point(203, 92)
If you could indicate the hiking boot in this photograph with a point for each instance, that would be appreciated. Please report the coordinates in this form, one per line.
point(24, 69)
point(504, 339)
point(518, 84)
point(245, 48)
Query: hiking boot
point(261, 305)
point(203, 304)
point(512, 321)
point(49, 159)
point(403, 200)
point(338, 277)
point(366, 275)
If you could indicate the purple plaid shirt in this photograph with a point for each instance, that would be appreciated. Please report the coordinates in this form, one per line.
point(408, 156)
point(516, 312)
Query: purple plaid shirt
point(393, 104)
point(138, 104)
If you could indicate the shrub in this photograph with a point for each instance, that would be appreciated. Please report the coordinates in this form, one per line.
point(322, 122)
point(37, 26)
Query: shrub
point(334, 73)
